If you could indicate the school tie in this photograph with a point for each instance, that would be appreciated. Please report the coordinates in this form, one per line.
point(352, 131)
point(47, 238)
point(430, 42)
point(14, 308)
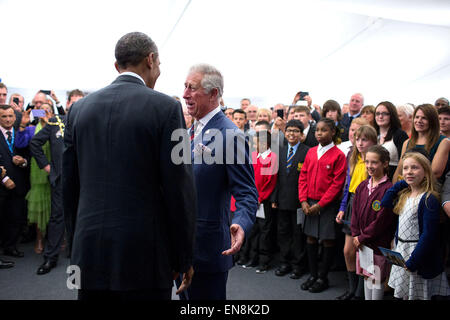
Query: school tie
point(289, 159)
point(8, 133)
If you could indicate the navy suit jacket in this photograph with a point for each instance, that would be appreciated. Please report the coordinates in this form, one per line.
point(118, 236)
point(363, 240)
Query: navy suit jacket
point(133, 208)
point(215, 184)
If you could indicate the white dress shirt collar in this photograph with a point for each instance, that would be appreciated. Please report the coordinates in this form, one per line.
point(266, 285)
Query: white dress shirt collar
point(321, 150)
point(129, 73)
point(265, 154)
point(201, 123)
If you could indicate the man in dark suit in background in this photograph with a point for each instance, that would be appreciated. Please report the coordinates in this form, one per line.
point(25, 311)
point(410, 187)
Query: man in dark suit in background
point(215, 137)
point(302, 113)
point(354, 110)
point(132, 207)
point(285, 198)
point(53, 133)
point(14, 186)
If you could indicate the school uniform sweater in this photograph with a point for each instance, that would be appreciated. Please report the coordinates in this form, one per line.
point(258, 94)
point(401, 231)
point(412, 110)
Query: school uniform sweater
point(265, 168)
point(322, 179)
point(372, 224)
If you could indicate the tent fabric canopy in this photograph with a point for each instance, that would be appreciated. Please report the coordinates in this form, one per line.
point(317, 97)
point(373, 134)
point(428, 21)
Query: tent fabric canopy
point(267, 51)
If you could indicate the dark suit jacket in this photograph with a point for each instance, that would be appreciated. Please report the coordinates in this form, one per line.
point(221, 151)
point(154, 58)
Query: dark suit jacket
point(53, 134)
point(285, 194)
point(346, 122)
point(133, 208)
point(215, 184)
point(18, 174)
point(311, 140)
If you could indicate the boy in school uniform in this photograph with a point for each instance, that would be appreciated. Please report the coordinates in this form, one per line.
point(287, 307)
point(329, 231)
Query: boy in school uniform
point(291, 239)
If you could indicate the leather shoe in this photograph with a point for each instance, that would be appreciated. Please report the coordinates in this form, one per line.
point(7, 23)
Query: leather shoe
point(297, 274)
point(319, 286)
point(13, 253)
point(346, 296)
point(241, 262)
point(283, 270)
point(250, 264)
point(46, 267)
point(262, 269)
point(6, 264)
point(308, 283)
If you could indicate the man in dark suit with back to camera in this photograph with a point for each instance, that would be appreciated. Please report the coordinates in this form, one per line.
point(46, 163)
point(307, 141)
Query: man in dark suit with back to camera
point(132, 208)
point(228, 173)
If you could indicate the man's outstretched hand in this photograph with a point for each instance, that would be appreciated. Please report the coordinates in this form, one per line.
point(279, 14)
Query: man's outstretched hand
point(237, 239)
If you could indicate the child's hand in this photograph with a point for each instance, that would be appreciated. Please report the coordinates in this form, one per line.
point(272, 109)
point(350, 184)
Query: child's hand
point(314, 210)
point(305, 207)
point(339, 217)
point(356, 242)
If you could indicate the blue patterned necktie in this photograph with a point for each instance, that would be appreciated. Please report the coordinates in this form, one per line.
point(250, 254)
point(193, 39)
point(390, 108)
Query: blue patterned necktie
point(8, 133)
point(289, 159)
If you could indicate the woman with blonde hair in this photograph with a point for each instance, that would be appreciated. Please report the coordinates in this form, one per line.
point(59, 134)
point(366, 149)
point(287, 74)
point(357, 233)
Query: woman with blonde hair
point(263, 114)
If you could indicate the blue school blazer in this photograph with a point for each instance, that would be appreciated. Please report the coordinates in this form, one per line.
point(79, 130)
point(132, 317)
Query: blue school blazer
point(426, 258)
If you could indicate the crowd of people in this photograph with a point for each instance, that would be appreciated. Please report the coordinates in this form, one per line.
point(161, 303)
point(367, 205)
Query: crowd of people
point(333, 182)
point(327, 205)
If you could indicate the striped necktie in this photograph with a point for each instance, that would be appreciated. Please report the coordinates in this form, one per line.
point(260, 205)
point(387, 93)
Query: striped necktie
point(289, 159)
point(8, 133)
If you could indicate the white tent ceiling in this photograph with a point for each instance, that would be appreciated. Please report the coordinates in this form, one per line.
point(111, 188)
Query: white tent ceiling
point(396, 50)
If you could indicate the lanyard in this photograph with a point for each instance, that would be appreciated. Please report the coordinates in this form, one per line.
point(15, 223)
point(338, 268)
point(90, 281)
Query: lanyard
point(11, 145)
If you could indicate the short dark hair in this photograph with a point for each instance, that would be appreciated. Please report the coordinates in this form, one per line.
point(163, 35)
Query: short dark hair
point(304, 109)
point(2, 85)
point(444, 110)
point(263, 123)
point(75, 92)
point(5, 106)
point(132, 48)
point(295, 123)
point(240, 111)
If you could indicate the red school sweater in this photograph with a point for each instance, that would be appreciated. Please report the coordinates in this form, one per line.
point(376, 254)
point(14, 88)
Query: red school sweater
point(322, 179)
point(265, 174)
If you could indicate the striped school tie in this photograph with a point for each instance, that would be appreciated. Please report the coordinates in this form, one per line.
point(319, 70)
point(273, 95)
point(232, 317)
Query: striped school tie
point(289, 159)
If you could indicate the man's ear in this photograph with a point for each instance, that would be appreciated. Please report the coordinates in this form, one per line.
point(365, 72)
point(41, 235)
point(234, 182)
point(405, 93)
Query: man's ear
point(116, 65)
point(214, 93)
point(150, 60)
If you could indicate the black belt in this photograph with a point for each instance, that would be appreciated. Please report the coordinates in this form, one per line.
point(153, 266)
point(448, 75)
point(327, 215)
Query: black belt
point(407, 241)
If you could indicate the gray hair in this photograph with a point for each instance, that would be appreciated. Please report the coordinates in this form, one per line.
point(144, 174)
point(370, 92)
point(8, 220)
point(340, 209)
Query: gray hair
point(132, 48)
point(212, 78)
point(406, 108)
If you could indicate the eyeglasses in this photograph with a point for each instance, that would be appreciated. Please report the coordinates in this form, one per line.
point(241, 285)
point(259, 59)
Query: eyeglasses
point(384, 114)
point(292, 131)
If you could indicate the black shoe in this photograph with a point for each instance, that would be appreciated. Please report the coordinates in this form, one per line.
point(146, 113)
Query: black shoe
point(297, 274)
point(262, 268)
point(250, 265)
point(283, 270)
point(6, 264)
point(346, 296)
point(356, 298)
point(319, 286)
point(308, 283)
point(46, 267)
point(13, 253)
point(241, 262)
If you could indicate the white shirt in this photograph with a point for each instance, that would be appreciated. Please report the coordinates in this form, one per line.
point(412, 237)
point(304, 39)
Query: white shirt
point(129, 73)
point(322, 150)
point(306, 130)
point(265, 154)
point(201, 123)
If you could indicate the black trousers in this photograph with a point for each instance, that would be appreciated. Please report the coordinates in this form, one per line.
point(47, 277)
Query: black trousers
point(56, 226)
point(208, 286)
point(262, 237)
point(108, 295)
point(13, 217)
point(291, 240)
